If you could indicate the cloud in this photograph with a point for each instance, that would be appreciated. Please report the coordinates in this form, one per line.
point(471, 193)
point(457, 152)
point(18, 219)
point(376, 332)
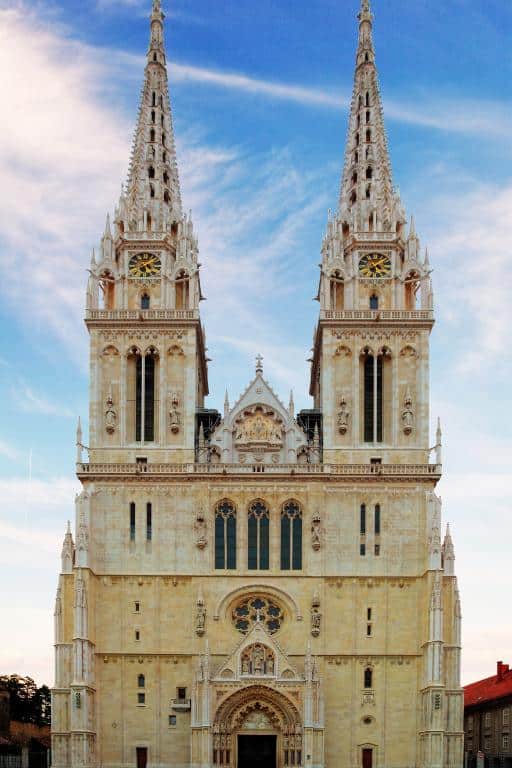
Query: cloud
point(7, 450)
point(29, 401)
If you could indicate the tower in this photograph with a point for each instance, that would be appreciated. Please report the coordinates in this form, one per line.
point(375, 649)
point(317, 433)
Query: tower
point(258, 587)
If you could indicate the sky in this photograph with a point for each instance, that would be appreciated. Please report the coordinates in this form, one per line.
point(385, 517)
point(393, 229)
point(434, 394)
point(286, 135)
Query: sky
point(260, 93)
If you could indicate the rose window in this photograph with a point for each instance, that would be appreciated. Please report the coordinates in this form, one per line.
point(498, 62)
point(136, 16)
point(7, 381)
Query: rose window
point(254, 609)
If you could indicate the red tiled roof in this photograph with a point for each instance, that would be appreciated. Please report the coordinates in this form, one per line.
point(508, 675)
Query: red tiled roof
point(496, 687)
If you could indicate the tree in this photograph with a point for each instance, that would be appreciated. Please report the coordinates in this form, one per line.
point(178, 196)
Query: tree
point(29, 704)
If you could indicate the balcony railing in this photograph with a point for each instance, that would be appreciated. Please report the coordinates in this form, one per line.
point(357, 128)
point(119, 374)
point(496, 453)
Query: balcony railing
point(142, 314)
point(326, 470)
point(396, 315)
point(180, 705)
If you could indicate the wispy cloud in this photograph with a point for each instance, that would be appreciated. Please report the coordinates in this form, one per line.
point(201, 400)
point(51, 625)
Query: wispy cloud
point(9, 451)
point(31, 402)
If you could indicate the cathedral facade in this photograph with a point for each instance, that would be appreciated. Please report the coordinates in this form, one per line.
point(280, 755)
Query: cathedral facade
point(258, 587)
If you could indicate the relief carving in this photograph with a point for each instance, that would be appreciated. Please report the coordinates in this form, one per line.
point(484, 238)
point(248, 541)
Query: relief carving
point(110, 415)
point(174, 413)
point(408, 414)
point(343, 417)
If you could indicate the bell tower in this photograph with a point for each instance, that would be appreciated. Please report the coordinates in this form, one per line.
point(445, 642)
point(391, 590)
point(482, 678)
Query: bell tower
point(371, 346)
point(148, 363)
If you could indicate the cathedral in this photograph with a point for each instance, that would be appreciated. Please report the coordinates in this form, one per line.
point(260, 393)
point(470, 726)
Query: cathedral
point(258, 587)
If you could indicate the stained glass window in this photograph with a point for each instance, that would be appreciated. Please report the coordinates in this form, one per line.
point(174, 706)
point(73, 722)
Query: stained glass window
point(258, 537)
point(257, 608)
point(291, 537)
point(225, 536)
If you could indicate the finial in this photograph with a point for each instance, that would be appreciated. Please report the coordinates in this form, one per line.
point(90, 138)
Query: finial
point(108, 232)
point(427, 259)
point(259, 365)
point(68, 529)
point(412, 228)
point(93, 259)
point(291, 406)
point(226, 402)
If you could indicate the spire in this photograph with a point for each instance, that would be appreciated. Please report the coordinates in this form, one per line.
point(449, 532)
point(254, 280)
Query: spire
point(79, 444)
point(226, 405)
point(439, 443)
point(291, 406)
point(67, 551)
point(153, 198)
point(367, 198)
point(448, 554)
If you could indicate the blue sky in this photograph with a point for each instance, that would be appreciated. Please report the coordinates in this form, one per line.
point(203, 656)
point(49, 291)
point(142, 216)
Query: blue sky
point(259, 95)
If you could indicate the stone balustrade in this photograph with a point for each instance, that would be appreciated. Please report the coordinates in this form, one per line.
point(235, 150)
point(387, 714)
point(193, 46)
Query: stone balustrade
point(138, 314)
point(384, 315)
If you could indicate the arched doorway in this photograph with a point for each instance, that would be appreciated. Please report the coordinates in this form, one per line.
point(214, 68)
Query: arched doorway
point(257, 727)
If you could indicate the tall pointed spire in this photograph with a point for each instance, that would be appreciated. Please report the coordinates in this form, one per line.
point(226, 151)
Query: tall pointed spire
point(367, 198)
point(153, 200)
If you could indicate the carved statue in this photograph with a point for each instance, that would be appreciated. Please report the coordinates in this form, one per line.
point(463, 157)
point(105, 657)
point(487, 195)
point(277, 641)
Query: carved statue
point(245, 666)
point(343, 417)
point(408, 415)
point(316, 542)
point(174, 413)
point(110, 415)
point(200, 617)
point(270, 665)
point(258, 662)
point(201, 527)
point(316, 616)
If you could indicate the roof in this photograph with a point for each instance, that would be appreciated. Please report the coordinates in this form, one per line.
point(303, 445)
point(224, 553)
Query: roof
point(490, 689)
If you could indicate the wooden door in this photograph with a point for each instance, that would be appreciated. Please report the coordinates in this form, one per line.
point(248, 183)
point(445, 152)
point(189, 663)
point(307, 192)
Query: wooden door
point(142, 757)
point(367, 758)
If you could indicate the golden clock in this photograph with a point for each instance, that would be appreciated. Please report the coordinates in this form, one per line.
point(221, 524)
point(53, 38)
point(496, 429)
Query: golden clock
point(375, 265)
point(145, 265)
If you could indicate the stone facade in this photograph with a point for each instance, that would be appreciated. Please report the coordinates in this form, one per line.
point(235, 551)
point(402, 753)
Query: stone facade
point(258, 587)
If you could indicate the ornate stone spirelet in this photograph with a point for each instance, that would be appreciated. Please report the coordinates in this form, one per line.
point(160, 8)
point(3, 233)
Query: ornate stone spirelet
point(316, 532)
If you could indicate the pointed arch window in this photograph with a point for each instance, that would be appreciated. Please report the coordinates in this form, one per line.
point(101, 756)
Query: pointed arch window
point(375, 374)
point(145, 301)
point(374, 301)
point(368, 677)
point(166, 197)
point(225, 536)
point(367, 98)
point(258, 537)
point(368, 117)
point(145, 395)
point(152, 135)
point(291, 537)
point(368, 136)
point(369, 172)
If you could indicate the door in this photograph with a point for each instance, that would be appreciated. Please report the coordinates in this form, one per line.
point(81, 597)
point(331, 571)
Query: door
point(142, 757)
point(367, 758)
point(257, 752)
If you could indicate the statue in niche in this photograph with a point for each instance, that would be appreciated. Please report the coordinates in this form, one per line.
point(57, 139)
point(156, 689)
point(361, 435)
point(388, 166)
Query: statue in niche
point(258, 661)
point(110, 415)
point(200, 617)
point(408, 415)
point(245, 666)
point(316, 616)
point(270, 665)
point(200, 526)
point(316, 542)
point(174, 413)
point(343, 417)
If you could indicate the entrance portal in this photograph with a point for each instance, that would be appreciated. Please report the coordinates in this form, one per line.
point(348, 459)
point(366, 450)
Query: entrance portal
point(257, 752)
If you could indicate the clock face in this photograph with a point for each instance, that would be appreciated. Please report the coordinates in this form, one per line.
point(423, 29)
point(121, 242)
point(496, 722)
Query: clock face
point(375, 265)
point(145, 265)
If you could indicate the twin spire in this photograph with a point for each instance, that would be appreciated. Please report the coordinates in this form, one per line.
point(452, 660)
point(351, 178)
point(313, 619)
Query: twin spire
point(152, 200)
point(368, 201)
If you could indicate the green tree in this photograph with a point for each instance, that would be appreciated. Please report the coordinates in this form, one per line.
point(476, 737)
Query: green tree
point(29, 704)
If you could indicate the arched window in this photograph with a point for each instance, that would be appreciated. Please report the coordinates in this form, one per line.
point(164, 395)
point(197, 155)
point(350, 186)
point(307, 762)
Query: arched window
point(375, 374)
point(162, 120)
point(182, 290)
point(368, 677)
point(145, 301)
point(141, 681)
point(153, 101)
point(166, 196)
point(164, 157)
point(353, 197)
point(153, 116)
point(377, 520)
point(152, 135)
point(225, 536)
point(358, 120)
point(374, 301)
point(337, 290)
point(369, 172)
point(368, 136)
point(145, 396)
point(368, 117)
point(163, 138)
point(357, 139)
point(354, 177)
point(258, 544)
point(166, 177)
point(356, 157)
point(151, 172)
point(151, 190)
point(291, 537)
point(367, 98)
point(368, 191)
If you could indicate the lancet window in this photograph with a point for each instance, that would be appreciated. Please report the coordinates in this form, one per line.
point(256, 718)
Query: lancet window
point(143, 397)
point(291, 537)
point(225, 536)
point(375, 375)
point(258, 544)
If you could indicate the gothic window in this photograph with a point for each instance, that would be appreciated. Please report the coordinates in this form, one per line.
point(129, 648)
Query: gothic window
point(152, 135)
point(164, 157)
point(369, 172)
point(362, 549)
point(377, 520)
point(362, 520)
point(367, 98)
point(368, 117)
point(166, 177)
point(153, 116)
point(166, 197)
point(257, 608)
point(368, 678)
point(141, 698)
point(153, 102)
point(291, 537)
point(353, 197)
point(373, 395)
point(374, 301)
point(149, 522)
point(151, 172)
point(354, 177)
point(225, 536)
point(162, 120)
point(368, 192)
point(258, 544)
point(145, 301)
point(357, 139)
point(132, 521)
point(145, 400)
point(337, 290)
point(163, 138)
point(141, 681)
point(368, 136)
point(151, 194)
point(356, 157)
point(182, 290)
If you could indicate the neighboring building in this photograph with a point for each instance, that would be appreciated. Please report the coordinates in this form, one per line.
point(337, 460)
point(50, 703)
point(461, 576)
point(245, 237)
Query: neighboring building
point(488, 719)
point(258, 587)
